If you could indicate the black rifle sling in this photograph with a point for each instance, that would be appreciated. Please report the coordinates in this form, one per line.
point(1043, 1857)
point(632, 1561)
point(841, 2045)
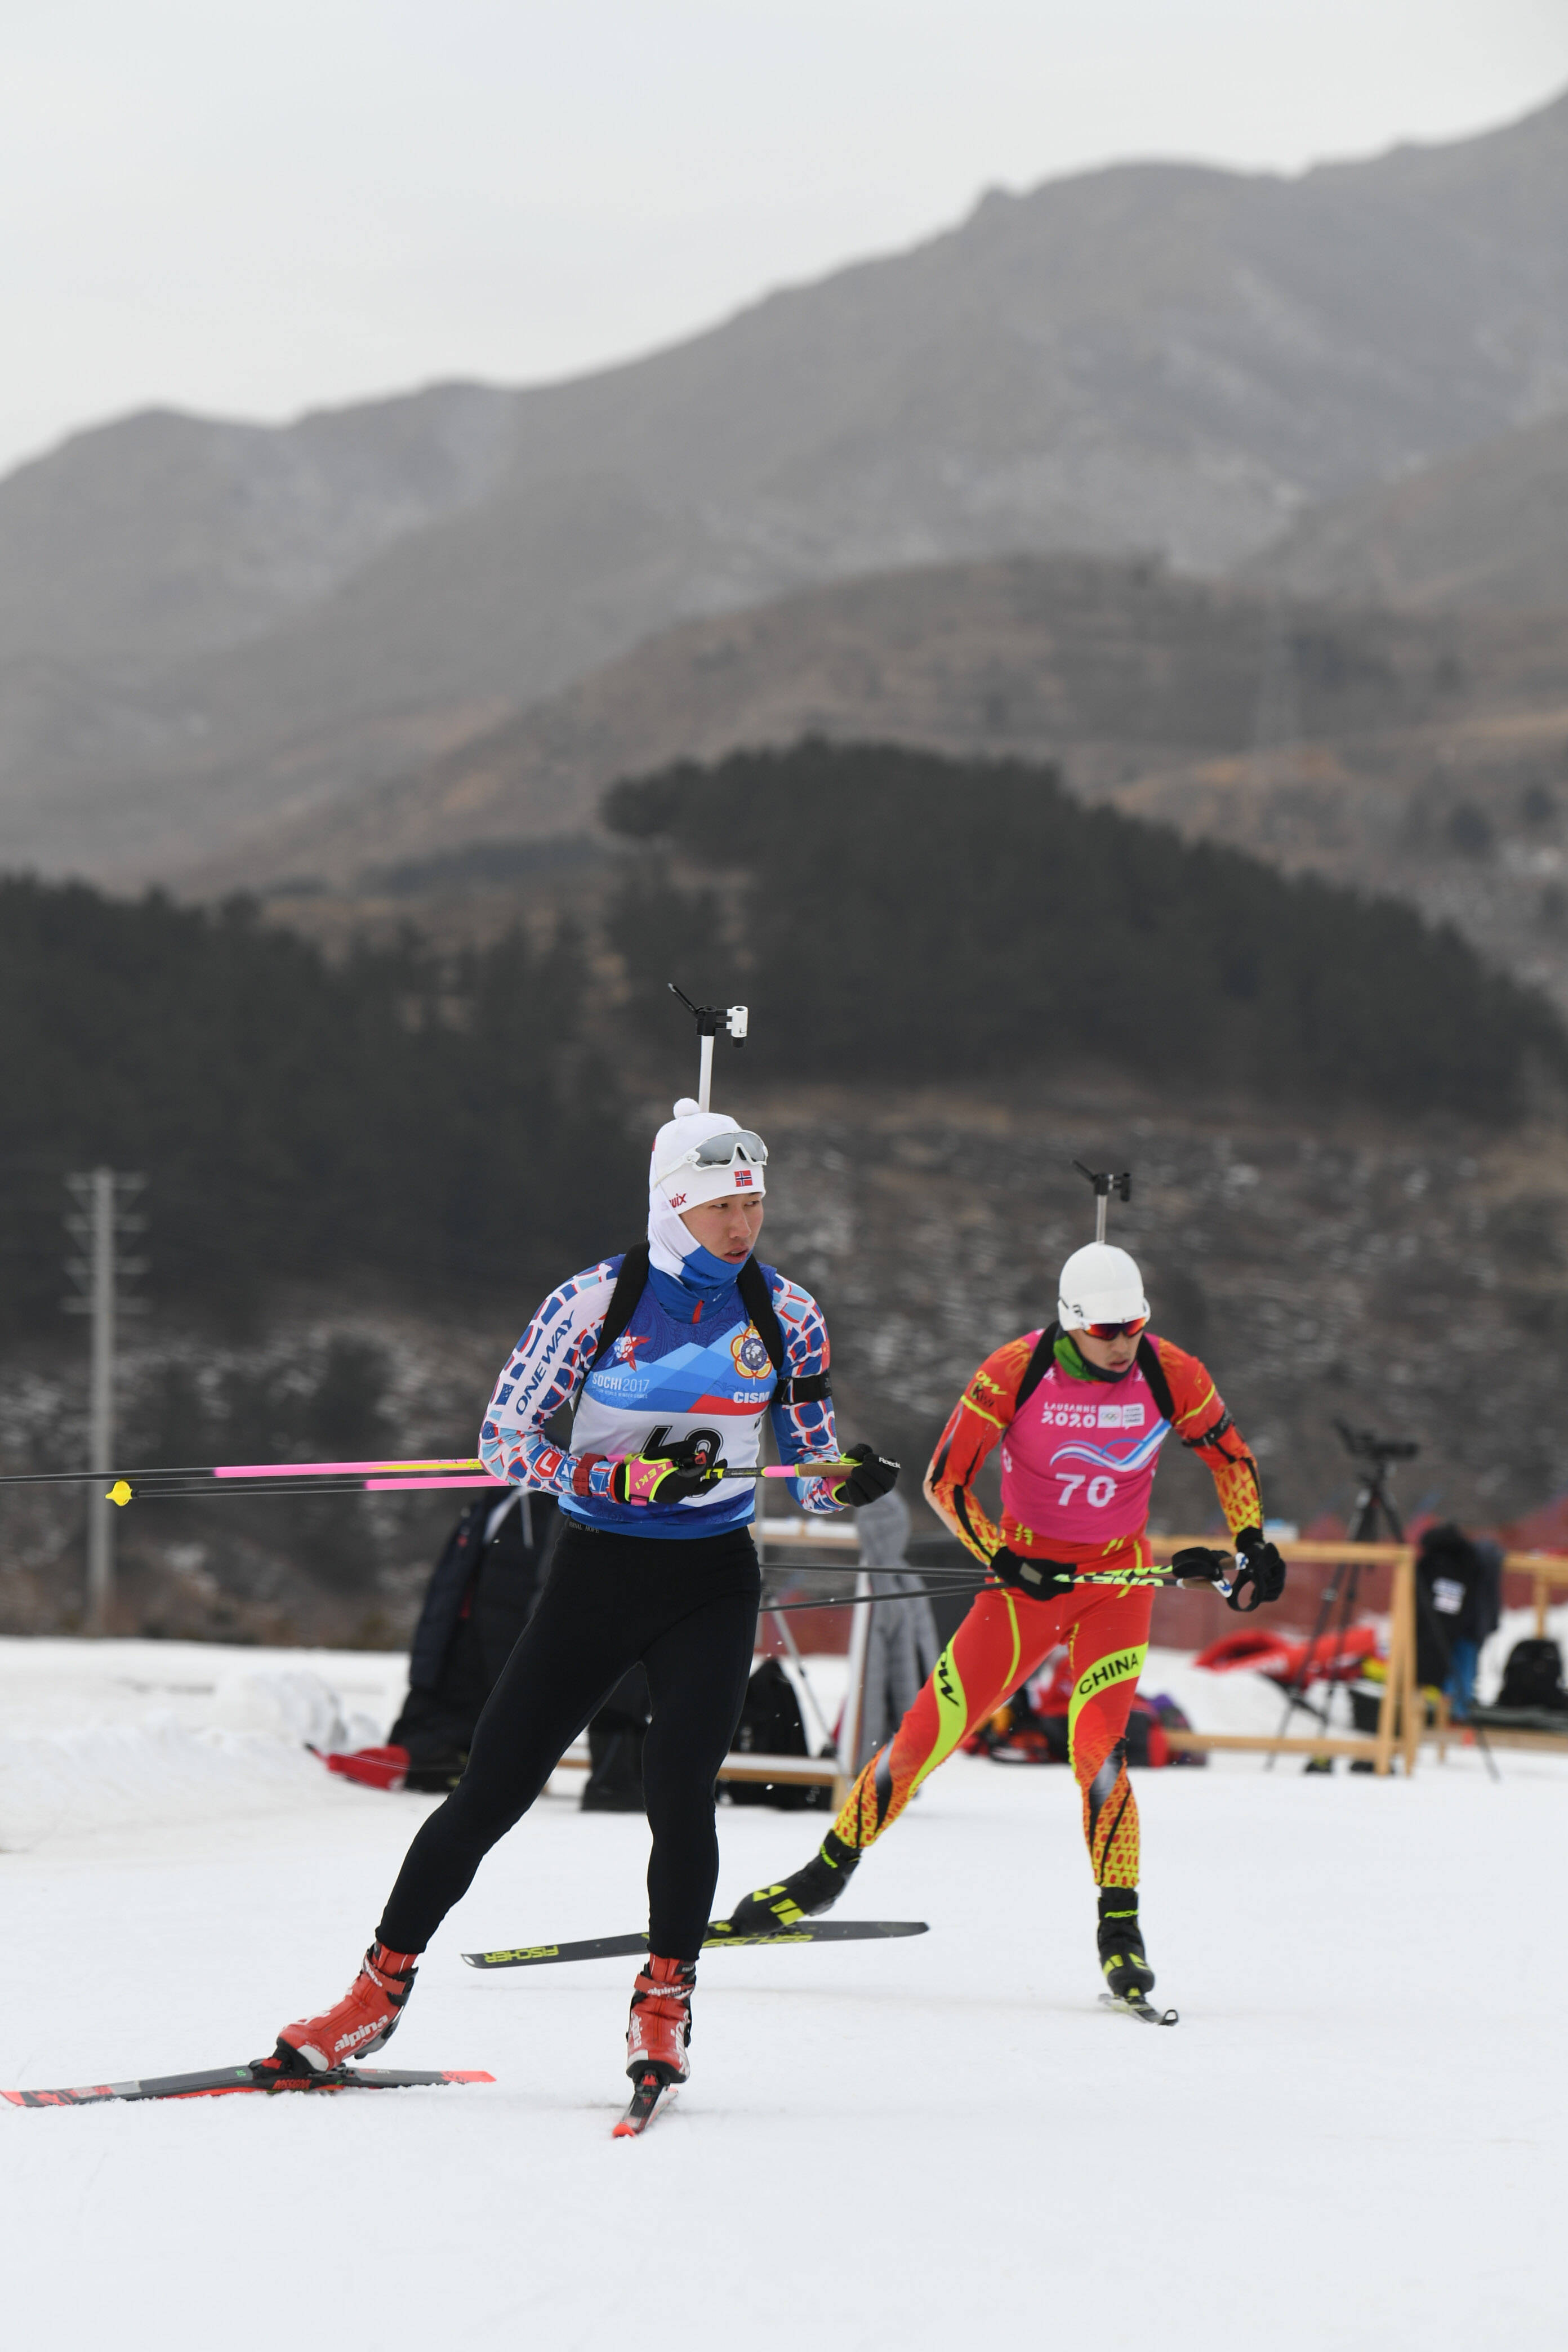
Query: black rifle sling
point(799, 1388)
point(757, 1300)
point(1147, 1359)
point(630, 1283)
point(1039, 1364)
point(1154, 1372)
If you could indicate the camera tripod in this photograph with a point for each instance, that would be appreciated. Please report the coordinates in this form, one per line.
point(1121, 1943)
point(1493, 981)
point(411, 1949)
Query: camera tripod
point(1373, 1503)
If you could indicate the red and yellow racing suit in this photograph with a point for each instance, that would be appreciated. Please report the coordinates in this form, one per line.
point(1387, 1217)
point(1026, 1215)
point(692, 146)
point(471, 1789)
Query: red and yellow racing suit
point(1075, 1422)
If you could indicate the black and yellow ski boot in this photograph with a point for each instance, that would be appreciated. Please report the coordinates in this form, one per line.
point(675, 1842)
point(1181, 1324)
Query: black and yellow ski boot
point(1122, 1953)
point(1129, 1977)
point(806, 1895)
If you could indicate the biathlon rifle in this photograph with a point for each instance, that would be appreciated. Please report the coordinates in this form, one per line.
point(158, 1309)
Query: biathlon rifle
point(709, 1019)
point(1105, 1184)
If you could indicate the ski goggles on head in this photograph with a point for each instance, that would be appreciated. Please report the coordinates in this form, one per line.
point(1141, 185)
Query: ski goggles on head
point(1128, 1330)
point(724, 1150)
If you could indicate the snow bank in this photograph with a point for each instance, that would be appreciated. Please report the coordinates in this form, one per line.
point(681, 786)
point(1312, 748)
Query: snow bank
point(111, 1736)
point(1239, 1702)
point(72, 1783)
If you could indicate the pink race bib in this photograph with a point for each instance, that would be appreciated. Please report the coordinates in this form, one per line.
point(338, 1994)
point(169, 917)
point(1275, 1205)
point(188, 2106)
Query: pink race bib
point(1079, 1461)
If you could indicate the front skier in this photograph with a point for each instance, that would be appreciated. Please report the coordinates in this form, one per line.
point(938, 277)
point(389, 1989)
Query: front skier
point(673, 1353)
point(1081, 1411)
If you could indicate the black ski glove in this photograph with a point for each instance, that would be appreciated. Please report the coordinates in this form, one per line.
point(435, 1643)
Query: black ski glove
point(1041, 1578)
point(1262, 1576)
point(1199, 1565)
point(875, 1475)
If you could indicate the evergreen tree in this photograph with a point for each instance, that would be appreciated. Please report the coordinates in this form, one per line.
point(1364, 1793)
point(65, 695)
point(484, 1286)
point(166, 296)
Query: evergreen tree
point(930, 915)
point(439, 1120)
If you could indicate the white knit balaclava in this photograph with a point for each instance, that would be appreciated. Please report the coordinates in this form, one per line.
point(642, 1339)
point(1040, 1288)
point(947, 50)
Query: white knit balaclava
point(673, 1184)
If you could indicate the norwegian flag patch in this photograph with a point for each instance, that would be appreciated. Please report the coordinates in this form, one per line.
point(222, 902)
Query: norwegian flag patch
point(742, 1176)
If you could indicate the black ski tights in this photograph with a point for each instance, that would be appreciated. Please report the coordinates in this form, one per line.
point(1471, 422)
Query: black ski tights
point(689, 1611)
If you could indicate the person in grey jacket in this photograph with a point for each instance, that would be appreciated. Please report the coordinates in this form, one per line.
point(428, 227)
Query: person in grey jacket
point(902, 1645)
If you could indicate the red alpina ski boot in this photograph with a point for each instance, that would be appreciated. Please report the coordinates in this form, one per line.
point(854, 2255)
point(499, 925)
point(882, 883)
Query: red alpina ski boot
point(657, 2035)
point(365, 2019)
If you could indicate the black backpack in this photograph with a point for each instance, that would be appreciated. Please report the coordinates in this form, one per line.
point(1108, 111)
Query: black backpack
point(772, 1725)
point(493, 1587)
point(1534, 1678)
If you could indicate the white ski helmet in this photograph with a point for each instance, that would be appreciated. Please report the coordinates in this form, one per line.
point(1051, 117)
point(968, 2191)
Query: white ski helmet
point(1100, 1284)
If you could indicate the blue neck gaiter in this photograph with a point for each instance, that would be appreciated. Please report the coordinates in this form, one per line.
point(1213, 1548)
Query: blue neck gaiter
point(704, 1278)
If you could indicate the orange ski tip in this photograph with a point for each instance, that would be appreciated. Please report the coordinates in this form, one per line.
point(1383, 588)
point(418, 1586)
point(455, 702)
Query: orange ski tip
point(458, 2074)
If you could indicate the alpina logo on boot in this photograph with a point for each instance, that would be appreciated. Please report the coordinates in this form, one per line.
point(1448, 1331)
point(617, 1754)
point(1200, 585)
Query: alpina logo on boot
point(360, 2033)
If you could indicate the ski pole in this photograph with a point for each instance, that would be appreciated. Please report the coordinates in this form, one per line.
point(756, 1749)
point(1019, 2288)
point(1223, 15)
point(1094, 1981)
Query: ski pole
point(793, 1469)
point(950, 1590)
point(1155, 1576)
point(152, 1487)
point(122, 1492)
point(1167, 1576)
point(434, 1470)
point(872, 1599)
point(329, 1478)
point(203, 1470)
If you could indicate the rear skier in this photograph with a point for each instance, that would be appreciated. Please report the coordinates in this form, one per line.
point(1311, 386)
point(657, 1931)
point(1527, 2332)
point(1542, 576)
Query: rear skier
point(673, 1352)
point(1081, 1410)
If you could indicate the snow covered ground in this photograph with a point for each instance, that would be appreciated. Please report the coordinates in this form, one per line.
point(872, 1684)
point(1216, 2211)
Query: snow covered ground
point(1354, 2138)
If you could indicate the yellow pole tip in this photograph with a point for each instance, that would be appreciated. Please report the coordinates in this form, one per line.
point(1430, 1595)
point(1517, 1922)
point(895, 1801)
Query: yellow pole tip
point(118, 1493)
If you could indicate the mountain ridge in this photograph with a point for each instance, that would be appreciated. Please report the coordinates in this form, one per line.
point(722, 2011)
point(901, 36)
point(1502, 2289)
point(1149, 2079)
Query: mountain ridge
point(1486, 528)
point(1165, 357)
point(1422, 754)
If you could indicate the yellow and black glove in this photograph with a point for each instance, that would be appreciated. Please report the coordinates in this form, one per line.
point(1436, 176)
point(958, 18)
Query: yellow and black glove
point(642, 1478)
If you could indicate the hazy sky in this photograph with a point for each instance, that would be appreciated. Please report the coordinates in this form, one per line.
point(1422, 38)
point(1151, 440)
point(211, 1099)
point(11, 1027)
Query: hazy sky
point(252, 206)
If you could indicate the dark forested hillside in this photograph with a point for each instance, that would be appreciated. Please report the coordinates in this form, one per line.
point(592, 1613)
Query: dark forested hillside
point(433, 1119)
point(915, 918)
point(445, 1122)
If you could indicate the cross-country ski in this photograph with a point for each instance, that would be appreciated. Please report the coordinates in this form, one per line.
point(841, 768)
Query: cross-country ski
point(652, 2094)
point(1137, 2005)
point(720, 1937)
point(223, 2081)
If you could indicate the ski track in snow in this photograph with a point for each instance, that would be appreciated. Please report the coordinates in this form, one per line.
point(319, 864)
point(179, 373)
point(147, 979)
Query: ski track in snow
point(1354, 2138)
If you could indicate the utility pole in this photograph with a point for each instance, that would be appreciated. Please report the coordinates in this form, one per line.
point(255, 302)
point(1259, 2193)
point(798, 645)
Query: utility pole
point(1277, 713)
point(99, 1220)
